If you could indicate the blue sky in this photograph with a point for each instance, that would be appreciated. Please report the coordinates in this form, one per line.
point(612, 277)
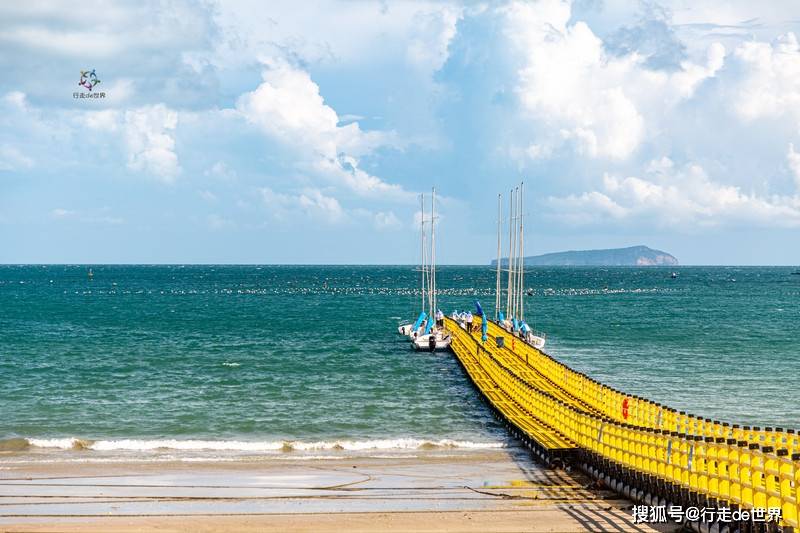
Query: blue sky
point(244, 132)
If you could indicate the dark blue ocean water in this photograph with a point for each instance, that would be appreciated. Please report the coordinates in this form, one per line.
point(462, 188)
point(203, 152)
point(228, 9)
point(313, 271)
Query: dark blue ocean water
point(267, 354)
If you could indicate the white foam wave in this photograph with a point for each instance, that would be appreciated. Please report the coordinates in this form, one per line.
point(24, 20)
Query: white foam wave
point(188, 445)
point(393, 444)
point(142, 445)
point(64, 444)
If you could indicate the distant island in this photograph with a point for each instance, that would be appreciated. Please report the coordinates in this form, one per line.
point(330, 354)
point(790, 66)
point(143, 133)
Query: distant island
point(631, 256)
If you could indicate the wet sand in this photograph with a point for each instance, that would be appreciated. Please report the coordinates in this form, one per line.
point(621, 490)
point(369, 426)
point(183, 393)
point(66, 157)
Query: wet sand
point(497, 490)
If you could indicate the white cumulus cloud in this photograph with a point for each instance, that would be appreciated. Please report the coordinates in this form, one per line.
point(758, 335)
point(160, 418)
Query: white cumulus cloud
point(769, 83)
point(684, 197)
point(431, 34)
point(288, 107)
point(574, 90)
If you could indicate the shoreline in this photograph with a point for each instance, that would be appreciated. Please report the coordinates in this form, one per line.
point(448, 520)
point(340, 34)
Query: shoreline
point(155, 446)
point(486, 490)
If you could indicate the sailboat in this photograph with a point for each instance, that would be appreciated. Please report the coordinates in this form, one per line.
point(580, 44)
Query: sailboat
point(513, 320)
point(434, 336)
point(414, 329)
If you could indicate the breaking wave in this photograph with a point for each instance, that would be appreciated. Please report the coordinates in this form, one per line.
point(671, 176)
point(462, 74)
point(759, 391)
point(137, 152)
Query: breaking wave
point(144, 445)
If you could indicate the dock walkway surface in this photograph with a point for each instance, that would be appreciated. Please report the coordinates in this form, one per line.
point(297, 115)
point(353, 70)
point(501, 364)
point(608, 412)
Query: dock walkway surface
point(493, 490)
point(642, 449)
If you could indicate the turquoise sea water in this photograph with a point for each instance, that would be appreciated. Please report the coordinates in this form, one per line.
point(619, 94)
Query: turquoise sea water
point(152, 357)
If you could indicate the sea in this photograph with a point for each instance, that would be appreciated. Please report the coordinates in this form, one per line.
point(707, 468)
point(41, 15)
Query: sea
point(189, 362)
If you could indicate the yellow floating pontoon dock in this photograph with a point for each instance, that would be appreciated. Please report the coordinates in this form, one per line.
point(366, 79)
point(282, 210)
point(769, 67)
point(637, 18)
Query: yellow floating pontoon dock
point(642, 449)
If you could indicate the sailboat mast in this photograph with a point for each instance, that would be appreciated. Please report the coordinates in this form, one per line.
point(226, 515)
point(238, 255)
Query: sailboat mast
point(516, 245)
point(422, 247)
point(522, 251)
point(518, 213)
point(433, 251)
point(519, 259)
point(428, 274)
point(510, 251)
point(499, 227)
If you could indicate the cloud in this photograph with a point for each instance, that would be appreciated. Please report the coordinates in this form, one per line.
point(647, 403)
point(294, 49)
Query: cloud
point(314, 202)
point(102, 215)
point(769, 79)
point(16, 99)
point(103, 120)
point(381, 220)
point(293, 208)
point(208, 196)
point(652, 37)
point(149, 137)
point(350, 117)
point(349, 33)
point(221, 170)
point(30, 137)
point(132, 45)
point(573, 90)
point(11, 159)
point(288, 107)
point(343, 115)
point(387, 221)
point(310, 203)
point(145, 136)
point(64, 30)
point(793, 158)
point(431, 34)
point(344, 170)
point(62, 213)
point(685, 198)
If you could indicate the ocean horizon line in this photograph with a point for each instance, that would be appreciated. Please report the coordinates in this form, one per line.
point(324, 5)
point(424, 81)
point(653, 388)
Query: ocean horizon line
point(446, 265)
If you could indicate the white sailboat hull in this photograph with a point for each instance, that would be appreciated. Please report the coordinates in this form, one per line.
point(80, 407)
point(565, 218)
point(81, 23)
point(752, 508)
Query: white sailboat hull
point(423, 342)
point(536, 341)
point(405, 330)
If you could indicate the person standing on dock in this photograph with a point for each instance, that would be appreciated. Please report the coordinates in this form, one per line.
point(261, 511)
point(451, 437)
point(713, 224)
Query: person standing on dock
point(439, 319)
point(469, 321)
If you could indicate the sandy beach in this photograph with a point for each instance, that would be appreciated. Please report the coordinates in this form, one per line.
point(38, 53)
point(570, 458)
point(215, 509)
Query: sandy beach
point(497, 490)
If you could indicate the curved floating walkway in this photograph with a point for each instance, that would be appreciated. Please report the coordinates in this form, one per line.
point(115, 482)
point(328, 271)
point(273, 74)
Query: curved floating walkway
point(645, 450)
